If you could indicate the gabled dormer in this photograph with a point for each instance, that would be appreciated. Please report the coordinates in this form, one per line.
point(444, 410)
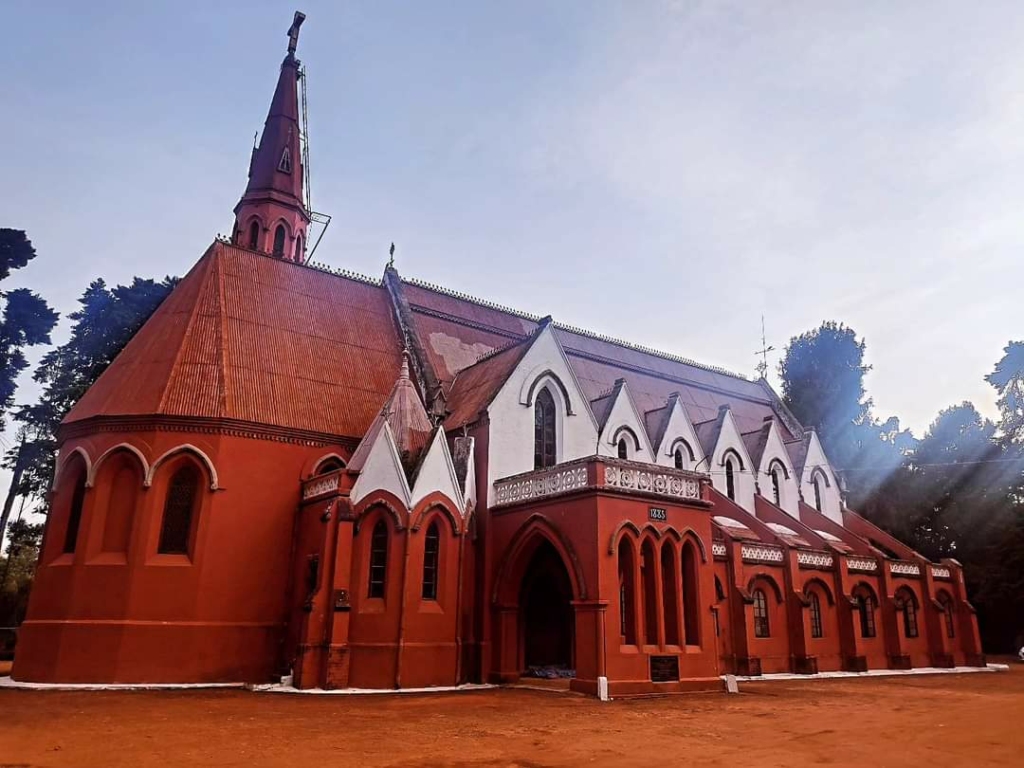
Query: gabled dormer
point(728, 463)
point(819, 486)
point(535, 409)
point(623, 433)
point(672, 436)
point(776, 478)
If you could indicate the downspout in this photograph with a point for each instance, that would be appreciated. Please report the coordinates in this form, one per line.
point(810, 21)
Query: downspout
point(401, 615)
point(458, 612)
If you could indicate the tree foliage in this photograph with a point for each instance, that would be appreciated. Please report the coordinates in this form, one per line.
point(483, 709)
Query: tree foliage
point(958, 492)
point(105, 321)
point(25, 318)
point(17, 567)
point(1008, 379)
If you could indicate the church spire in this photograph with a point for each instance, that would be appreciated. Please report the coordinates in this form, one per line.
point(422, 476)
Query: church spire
point(271, 216)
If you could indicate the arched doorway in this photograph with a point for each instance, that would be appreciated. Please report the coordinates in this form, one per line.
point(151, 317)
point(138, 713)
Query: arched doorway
point(546, 613)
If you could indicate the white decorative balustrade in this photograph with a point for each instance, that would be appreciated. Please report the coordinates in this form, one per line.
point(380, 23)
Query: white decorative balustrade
point(663, 483)
point(818, 560)
point(318, 486)
point(761, 553)
point(862, 564)
point(941, 572)
point(718, 549)
point(904, 568)
point(536, 485)
point(617, 474)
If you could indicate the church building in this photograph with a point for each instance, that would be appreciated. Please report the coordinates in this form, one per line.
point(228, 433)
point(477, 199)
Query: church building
point(384, 483)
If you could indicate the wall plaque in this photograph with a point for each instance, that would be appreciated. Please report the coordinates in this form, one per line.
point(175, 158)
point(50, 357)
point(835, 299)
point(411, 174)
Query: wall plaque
point(658, 514)
point(664, 669)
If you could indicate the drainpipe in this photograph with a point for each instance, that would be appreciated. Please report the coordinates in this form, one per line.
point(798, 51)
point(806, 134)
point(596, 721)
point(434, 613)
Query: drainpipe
point(401, 609)
point(458, 613)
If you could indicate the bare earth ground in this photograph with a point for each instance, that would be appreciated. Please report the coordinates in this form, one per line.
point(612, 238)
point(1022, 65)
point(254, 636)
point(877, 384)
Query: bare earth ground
point(943, 720)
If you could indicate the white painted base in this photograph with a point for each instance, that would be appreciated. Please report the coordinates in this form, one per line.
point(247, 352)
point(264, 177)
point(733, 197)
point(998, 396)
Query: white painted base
point(278, 688)
point(7, 682)
point(602, 688)
point(870, 673)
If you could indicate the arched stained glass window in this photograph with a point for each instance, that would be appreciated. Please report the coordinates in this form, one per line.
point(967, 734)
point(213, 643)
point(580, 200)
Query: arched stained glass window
point(544, 430)
point(816, 627)
point(279, 236)
point(179, 510)
point(378, 560)
point(730, 479)
point(75, 516)
point(761, 628)
point(866, 610)
point(431, 561)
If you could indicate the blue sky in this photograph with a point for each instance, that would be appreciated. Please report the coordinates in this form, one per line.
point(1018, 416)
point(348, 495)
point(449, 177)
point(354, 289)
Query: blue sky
point(660, 171)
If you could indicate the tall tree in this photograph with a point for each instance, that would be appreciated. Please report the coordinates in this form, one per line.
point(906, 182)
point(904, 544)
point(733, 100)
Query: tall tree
point(104, 323)
point(823, 383)
point(25, 317)
point(1008, 379)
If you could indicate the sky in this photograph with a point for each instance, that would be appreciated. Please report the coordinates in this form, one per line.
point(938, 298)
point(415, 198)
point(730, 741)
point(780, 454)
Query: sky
point(662, 171)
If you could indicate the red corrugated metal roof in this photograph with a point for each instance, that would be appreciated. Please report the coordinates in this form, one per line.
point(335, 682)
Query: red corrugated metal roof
point(253, 338)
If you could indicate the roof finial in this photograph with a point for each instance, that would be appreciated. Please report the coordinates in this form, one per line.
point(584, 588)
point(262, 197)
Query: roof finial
point(293, 32)
point(391, 252)
point(404, 374)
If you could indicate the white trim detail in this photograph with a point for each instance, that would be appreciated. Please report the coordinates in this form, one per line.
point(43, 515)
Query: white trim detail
point(95, 468)
point(818, 560)
point(941, 572)
point(186, 448)
point(662, 483)
point(540, 484)
point(902, 568)
point(863, 564)
point(718, 549)
point(761, 553)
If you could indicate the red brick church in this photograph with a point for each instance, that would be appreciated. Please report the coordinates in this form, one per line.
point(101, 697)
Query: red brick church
point(388, 484)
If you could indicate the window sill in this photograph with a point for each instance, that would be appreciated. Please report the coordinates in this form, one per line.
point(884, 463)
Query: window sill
point(171, 561)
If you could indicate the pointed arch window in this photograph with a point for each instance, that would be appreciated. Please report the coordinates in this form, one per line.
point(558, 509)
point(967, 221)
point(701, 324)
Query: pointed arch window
point(179, 511)
point(816, 627)
point(691, 595)
point(544, 430)
point(279, 236)
point(776, 487)
point(678, 458)
point(378, 560)
point(75, 515)
point(866, 610)
point(623, 448)
point(254, 235)
point(431, 561)
point(730, 479)
point(627, 593)
point(299, 253)
point(817, 491)
point(947, 612)
point(761, 627)
point(908, 604)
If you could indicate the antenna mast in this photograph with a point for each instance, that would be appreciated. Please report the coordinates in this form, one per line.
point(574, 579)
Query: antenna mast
point(762, 367)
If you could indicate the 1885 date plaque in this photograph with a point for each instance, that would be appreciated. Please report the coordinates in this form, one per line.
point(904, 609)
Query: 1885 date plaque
point(664, 669)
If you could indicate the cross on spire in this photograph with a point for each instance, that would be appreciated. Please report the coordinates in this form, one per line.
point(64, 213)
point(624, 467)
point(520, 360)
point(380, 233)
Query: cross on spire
point(762, 367)
point(293, 32)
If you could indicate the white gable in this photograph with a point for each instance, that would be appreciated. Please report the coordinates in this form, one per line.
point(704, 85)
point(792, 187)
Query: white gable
point(831, 501)
point(624, 414)
point(729, 441)
point(510, 442)
point(774, 453)
point(381, 469)
point(679, 427)
point(437, 474)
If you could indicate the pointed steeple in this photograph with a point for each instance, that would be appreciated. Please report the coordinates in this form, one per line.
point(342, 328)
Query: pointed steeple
point(271, 216)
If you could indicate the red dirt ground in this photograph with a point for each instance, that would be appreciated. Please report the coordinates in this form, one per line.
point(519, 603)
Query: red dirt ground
point(942, 720)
